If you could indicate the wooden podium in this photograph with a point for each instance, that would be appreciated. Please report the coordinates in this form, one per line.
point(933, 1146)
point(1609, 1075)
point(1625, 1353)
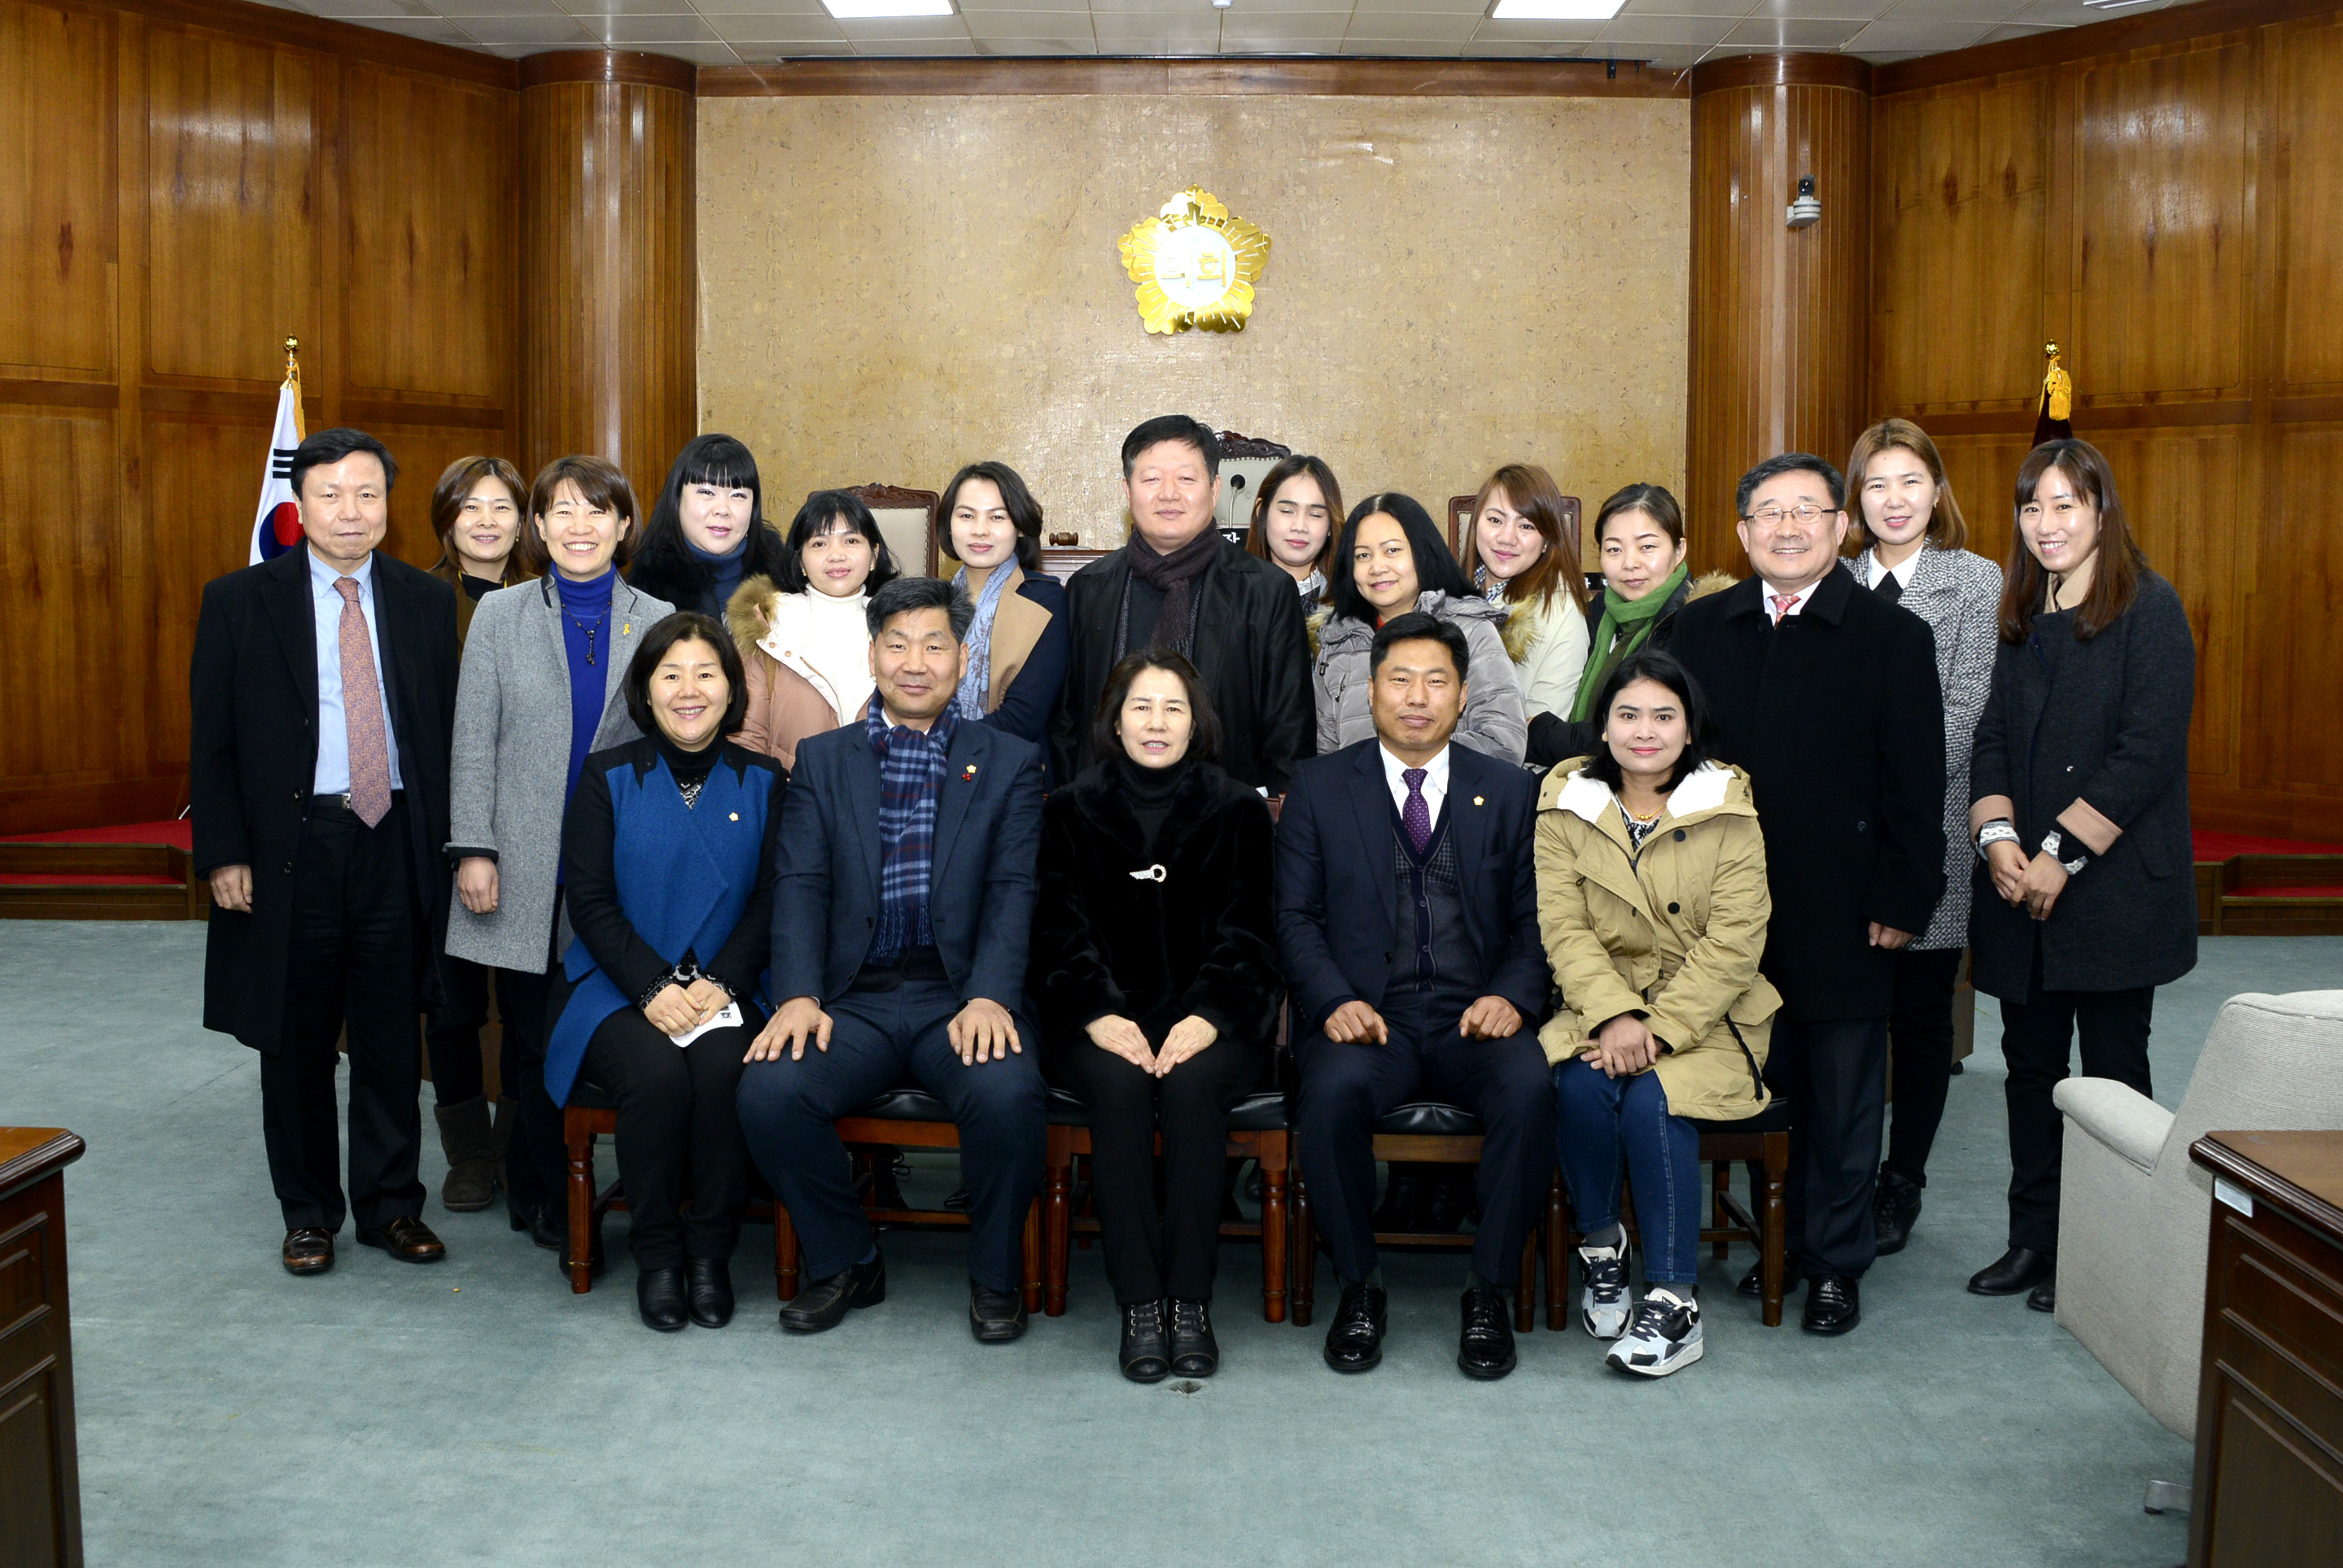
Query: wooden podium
point(40, 1486)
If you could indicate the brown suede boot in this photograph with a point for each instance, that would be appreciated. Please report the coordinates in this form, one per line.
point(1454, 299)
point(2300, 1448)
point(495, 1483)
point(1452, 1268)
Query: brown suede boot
point(470, 1143)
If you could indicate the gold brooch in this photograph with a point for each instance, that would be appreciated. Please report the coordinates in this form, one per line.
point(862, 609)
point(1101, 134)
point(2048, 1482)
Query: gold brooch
point(1195, 264)
point(1476, 800)
point(736, 816)
point(970, 773)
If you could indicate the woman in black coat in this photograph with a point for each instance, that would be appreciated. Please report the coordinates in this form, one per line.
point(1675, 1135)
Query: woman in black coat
point(707, 530)
point(1154, 971)
point(2085, 900)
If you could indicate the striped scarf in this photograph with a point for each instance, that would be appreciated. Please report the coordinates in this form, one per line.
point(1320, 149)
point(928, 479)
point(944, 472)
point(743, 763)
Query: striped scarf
point(910, 783)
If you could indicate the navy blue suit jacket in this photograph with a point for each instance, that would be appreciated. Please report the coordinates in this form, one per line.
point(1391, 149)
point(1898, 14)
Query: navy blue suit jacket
point(1339, 932)
point(979, 898)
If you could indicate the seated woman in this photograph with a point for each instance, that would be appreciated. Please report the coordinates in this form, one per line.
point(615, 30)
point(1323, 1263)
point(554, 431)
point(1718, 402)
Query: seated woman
point(1153, 969)
point(668, 850)
point(805, 645)
point(1652, 899)
point(1521, 561)
point(1393, 560)
point(1296, 514)
point(1016, 645)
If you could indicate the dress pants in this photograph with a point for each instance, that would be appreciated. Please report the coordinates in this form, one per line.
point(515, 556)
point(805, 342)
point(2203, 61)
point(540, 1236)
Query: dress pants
point(880, 1039)
point(537, 1163)
point(452, 1032)
point(2036, 1037)
point(1920, 1043)
point(1171, 1250)
point(356, 932)
point(1600, 1118)
point(679, 1132)
point(1345, 1089)
point(1834, 1072)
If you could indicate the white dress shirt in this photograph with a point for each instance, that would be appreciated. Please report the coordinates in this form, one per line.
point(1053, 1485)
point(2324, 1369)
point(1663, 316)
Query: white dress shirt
point(1436, 781)
point(333, 775)
point(1901, 571)
point(1797, 600)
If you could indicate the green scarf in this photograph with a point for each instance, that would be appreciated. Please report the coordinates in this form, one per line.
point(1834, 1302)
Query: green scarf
point(1634, 616)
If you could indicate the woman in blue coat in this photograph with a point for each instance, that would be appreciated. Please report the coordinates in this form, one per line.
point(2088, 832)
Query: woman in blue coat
point(668, 855)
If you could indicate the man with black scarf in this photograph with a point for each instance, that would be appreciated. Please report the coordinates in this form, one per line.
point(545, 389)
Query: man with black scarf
point(1177, 585)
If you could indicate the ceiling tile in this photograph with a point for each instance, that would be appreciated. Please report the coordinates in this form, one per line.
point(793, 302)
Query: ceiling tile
point(1954, 10)
point(735, 29)
point(1736, 9)
point(915, 47)
point(685, 29)
point(1775, 33)
point(902, 29)
point(1406, 48)
point(761, 9)
point(1382, 25)
point(462, 8)
point(1425, 7)
point(1029, 25)
point(698, 54)
point(1156, 34)
point(1678, 30)
point(2003, 34)
point(430, 29)
point(1820, 10)
point(1236, 27)
point(546, 30)
point(588, 8)
point(1537, 31)
point(354, 10)
point(1035, 48)
point(973, 7)
point(2071, 14)
point(1512, 49)
point(816, 49)
point(1916, 37)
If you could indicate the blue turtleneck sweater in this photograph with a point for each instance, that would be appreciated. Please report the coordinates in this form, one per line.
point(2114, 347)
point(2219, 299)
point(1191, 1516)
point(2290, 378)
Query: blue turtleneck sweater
point(585, 609)
point(725, 569)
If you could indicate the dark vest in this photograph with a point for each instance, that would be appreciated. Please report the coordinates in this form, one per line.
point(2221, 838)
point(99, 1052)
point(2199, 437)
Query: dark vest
point(1431, 918)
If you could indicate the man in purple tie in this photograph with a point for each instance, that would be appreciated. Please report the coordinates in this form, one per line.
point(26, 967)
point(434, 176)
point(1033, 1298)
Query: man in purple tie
point(1407, 927)
point(322, 695)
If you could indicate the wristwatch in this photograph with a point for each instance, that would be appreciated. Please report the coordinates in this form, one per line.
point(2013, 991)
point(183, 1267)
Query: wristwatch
point(2053, 841)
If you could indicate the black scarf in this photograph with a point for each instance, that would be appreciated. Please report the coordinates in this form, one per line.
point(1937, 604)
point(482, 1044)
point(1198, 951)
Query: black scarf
point(1176, 576)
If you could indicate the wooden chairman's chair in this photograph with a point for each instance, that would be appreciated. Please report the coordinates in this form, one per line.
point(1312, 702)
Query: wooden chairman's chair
point(907, 521)
point(909, 1118)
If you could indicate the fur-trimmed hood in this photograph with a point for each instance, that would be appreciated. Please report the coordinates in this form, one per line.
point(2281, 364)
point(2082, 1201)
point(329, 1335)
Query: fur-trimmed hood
point(750, 615)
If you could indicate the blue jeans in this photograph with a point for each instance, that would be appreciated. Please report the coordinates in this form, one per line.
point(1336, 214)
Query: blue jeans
point(1600, 1118)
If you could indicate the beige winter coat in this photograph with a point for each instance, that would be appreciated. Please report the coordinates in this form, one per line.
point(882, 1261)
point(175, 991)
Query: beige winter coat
point(1674, 932)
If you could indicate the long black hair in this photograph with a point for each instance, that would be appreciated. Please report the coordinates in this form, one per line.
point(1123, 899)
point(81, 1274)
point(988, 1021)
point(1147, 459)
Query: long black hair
point(1024, 511)
point(1435, 565)
point(664, 566)
point(821, 509)
point(1659, 665)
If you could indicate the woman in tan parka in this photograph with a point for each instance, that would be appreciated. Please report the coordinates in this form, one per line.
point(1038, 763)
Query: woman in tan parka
point(1652, 900)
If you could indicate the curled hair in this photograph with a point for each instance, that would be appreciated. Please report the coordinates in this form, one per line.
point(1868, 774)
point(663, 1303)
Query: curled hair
point(1653, 500)
point(823, 512)
point(684, 625)
point(1947, 530)
point(904, 596)
point(1257, 535)
point(2114, 571)
point(1536, 495)
point(603, 487)
point(1789, 463)
point(1024, 511)
point(1656, 664)
point(1436, 570)
point(527, 558)
point(1205, 723)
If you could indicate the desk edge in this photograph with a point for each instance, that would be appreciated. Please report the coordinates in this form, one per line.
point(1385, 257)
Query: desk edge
point(41, 1160)
point(2220, 1158)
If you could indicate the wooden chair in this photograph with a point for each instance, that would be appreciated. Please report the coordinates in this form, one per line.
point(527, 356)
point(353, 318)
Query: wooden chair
point(909, 1117)
point(593, 1114)
point(1257, 1131)
point(1430, 1132)
point(907, 521)
point(1764, 1138)
point(1460, 523)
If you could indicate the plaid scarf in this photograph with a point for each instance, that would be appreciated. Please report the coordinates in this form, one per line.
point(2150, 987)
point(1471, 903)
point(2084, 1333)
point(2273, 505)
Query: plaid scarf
point(910, 782)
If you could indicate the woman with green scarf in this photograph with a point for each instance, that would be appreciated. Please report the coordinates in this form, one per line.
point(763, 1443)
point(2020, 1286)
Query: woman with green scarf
point(1640, 543)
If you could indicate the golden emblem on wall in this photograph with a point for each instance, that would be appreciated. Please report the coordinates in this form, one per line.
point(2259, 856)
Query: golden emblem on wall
point(1195, 264)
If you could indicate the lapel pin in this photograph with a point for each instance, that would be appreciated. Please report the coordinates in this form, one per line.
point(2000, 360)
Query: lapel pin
point(736, 816)
point(969, 773)
point(1476, 800)
point(626, 628)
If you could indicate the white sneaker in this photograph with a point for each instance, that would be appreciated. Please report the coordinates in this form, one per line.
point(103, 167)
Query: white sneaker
point(1604, 1308)
point(1664, 1337)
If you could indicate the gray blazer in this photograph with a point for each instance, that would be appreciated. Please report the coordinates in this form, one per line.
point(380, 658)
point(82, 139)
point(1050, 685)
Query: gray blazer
point(1959, 596)
point(510, 766)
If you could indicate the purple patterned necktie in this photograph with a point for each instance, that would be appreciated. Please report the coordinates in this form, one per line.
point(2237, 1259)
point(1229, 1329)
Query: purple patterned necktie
point(362, 712)
point(1416, 815)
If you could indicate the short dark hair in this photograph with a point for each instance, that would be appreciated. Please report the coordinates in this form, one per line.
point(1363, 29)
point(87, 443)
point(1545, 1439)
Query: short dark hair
point(1653, 500)
point(710, 459)
point(1653, 664)
point(604, 486)
point(684, 625)
point(1417, 626)
point(903, 596)
point(1024, 511)
point(1172, 427)
point(1435, 566)
point(822, 509)
point(1788, 463)
point(1204, 735)
point(328, 447)
point(528, 559)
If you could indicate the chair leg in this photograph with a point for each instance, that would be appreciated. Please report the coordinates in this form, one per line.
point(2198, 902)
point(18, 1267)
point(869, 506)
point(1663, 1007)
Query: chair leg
point(1302, 1284)
point(785, 1252)
point(1778, 1225)
point(1720, 1180)
point(1525, 1289)
point(1033, 1259)
point(580, 1139)
point(1056, 1232)
point(1557, 1255)
point(1273, 1243)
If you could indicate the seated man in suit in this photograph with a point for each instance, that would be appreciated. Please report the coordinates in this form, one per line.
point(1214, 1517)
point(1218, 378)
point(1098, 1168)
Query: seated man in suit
point(903, 899)
point(1407, 925)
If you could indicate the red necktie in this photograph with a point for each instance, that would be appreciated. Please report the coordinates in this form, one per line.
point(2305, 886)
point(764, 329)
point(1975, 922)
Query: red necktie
point(362, 712)
point(1781, 603)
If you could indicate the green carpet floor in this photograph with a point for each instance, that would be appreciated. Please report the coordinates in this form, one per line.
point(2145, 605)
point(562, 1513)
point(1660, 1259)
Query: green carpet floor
point(478, 1413)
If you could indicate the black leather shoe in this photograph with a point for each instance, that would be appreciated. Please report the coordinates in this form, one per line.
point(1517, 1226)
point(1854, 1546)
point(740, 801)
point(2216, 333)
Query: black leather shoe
point(1834, 1304)
point(543, 1228)
point(1753, 1284)
point(708, 1291)
point(1895, 1205)
point(1354, 1339)
point(1146, 1352)
point(309, 1251)
point(2044, 1297)
point(1485, 1350)
point(823, 1304)
point(1452, 1200)
point(1404, 1196)
point(658, 1296)
point(2013, 1273)
point(408, 1238)
point(995, 1317)
point(1195, 1352)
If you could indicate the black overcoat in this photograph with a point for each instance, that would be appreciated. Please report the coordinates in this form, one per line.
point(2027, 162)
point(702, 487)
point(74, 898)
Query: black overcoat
point(1200, 939)
point(1837, 716)
point(2091, 728)
point(252, 689)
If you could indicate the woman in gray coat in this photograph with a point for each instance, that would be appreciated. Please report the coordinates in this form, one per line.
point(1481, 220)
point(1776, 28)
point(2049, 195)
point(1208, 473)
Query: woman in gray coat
point(1391, 561)
point(541, 688)
point(2086, 902)
point(1914, 532)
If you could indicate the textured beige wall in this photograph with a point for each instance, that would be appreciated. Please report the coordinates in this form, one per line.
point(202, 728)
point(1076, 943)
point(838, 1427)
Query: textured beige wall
point(892, 286)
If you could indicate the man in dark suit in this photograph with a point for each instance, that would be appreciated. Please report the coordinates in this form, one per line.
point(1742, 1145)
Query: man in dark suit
point(322, 693)
point(902, 904)
point(1827, 695)
point(1407, 926)
point(1178, 584)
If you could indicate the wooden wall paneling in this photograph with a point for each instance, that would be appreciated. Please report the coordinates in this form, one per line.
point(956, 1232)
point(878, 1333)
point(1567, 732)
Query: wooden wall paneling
point(2307, 129)
point(1982, 473)
point(56, 192)
point(66, 650)
point(203, 480)
point(2297, 618)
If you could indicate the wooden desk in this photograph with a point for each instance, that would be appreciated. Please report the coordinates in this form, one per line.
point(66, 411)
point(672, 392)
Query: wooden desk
point(40, 1486)
point(2269, 1492)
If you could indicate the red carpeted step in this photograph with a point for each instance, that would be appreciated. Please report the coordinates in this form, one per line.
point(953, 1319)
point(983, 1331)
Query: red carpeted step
point(2223, 846)
point(181, 834)
point(2334, 893)
point(85, 880)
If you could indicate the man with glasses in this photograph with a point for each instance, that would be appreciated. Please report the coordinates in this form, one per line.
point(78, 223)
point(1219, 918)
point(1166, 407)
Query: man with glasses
point(1827, 695)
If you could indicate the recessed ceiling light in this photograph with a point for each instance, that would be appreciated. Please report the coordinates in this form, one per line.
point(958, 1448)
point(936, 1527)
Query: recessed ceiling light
point(1556, 10)
point(861, 10)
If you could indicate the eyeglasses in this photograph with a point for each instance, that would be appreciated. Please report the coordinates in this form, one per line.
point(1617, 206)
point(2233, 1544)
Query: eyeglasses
point(1804, 513)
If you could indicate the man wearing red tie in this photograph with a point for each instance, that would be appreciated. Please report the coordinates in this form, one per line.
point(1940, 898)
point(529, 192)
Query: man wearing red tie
point(1826, 693)
point(322, 695)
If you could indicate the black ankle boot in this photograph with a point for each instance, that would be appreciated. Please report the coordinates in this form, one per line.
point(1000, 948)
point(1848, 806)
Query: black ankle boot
point(1895, 1205)
point(708, 1285)
point(658, 1296)
point(1145, 1355)
point(1195, 1352)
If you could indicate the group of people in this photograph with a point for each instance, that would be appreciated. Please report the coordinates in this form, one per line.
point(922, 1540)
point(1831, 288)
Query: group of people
point(748, 825)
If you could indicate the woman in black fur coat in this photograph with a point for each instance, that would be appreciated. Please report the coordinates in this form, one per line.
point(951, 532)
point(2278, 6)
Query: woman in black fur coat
point(1154, 971)
point(706, 530)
